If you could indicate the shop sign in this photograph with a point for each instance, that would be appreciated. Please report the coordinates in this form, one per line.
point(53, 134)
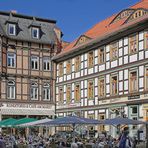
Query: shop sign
point(133, 97)
point(22, 105)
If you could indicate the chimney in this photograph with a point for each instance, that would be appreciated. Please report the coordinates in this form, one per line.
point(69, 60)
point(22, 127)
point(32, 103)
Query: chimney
point(13, 11)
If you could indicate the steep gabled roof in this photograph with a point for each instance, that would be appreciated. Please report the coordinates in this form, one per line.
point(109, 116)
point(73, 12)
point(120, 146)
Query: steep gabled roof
point(104, 27)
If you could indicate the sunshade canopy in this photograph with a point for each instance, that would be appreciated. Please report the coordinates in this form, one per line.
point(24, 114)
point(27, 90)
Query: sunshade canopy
point(35, 123)
point(72, 120)
point(7, 122)
point(122, 121)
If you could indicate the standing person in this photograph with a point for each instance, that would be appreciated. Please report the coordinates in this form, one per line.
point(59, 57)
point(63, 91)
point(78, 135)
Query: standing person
point(124, 140)
point(2, 143)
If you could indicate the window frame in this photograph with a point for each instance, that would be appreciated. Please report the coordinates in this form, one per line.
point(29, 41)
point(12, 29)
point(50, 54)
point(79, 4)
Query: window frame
point(130, 82)
point(61, 71)
point(33, 67)
point(68, 66)
point(79, 92)
point(146, 78)
point(46, 89)
point(34, 88)
point(114, 49)
point(99, 87)
point(100, 55)
point(14, 29)
point(90, 97)
point(146, 39)
point(11, 56)
point(136, 41)
point(111, 85)
point(32, 32)
point(77, 64)
point(47, 62)
point(68, 90)
point(12, 91)
point(61, 95)
point(90, 60)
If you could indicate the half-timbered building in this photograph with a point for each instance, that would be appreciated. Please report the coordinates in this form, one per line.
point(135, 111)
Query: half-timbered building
point(104, 73)
point(26, 46)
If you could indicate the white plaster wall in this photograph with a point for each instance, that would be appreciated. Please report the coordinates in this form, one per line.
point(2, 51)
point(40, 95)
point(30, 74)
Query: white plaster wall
point(90, 71)
point(125, 59)
point(125, 41)
point(141, 55)
point(120, 86)
point(141, 35)
point(120, 61)
point(141, 82)
point(125, 50)
point(68, 77)
point(120, 52)
point(107, 78)
point(101, 67)
point(141, 70)
point(125, 85)
point(126, 74)
point(120, 43)
point(141, 47)
point(107, 48)
point(133, 58)
point(114, 64)
point(120, 75)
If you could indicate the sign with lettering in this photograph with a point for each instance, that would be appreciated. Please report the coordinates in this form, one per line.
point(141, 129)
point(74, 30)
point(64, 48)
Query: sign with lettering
point(134, 97)
point(24, 105)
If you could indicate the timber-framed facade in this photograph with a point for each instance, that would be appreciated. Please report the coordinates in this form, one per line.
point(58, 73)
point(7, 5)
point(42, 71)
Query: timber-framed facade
point(27, 45)
point(107, 76)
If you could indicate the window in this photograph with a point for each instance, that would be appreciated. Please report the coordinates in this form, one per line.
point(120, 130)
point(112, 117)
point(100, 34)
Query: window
point(46, 63)
point(101, 88)
point(60, 69)
point(34, 63)
point(77, 92)
point(90, 90)
point(114, 85)
point(90, 59)
point(133, 81)
point(77, 64)
point(134, 110)
point(146, 79)
point(133, 44)
point(68, 94)
point(60, 94)
point(11, 90)
point(46, 91)
point(101, 55)
point(12, 29)
point(146, 40)
point(35, 33)
point(11, 59)
point(114, 50)
point(34, 91)
point(101, 128)
point(68, 67)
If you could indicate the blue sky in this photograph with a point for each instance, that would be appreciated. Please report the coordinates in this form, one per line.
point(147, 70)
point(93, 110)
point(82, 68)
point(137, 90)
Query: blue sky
point(74, 17)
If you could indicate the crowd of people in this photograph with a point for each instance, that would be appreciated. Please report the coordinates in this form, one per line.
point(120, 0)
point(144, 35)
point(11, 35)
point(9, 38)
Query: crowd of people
point(67, 141)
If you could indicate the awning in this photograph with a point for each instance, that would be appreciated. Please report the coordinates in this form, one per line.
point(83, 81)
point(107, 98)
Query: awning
point(6, 122)
point(26, 111)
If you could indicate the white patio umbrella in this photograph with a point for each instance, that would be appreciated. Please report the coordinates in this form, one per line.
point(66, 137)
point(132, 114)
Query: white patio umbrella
point(35, 123)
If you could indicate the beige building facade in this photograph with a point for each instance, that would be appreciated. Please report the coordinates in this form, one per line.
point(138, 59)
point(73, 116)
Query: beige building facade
point(103, 74)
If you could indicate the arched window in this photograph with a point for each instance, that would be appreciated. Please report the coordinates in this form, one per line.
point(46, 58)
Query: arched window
point(11, 90)
point(34, 91)
point(46, 91)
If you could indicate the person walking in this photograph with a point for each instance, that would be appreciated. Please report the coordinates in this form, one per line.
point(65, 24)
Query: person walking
point(125, 140)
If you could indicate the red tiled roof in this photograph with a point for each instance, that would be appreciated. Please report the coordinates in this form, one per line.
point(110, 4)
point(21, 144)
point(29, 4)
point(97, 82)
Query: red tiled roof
point(104, 27)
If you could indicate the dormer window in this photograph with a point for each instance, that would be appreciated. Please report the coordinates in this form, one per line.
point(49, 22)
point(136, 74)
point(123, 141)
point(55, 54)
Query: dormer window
point(12, 29)
point(35, 33)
